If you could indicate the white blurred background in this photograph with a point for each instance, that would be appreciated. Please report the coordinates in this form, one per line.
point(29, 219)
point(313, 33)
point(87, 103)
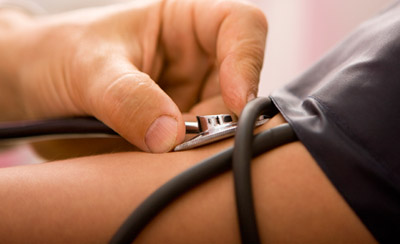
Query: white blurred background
point(300, 32)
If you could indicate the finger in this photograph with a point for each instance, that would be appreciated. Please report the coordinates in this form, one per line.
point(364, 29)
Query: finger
point(238, 36)
point(132, 104)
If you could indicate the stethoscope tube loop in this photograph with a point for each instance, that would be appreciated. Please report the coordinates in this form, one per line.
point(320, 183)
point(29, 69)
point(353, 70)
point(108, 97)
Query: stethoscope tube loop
point(203, 171)
point(242, 155)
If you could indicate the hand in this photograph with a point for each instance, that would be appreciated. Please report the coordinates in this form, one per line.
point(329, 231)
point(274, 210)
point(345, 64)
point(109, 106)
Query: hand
point(137, 66)
point(66, 148)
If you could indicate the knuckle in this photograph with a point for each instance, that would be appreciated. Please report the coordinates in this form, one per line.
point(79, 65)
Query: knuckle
point(127, 94)
point(130, 84)
point(251, 70)
point(251, 57)
point(129, 97)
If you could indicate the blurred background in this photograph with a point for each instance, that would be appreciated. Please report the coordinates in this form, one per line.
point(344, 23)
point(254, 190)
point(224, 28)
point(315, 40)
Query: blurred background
point(300, 32)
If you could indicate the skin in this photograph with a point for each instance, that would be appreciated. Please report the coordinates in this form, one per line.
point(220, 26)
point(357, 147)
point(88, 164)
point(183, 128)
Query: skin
point(112, 66)
point(147, 59)
point(84, 200)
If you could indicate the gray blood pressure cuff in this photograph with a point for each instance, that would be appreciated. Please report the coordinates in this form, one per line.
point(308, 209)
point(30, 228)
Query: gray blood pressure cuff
point(346, 111)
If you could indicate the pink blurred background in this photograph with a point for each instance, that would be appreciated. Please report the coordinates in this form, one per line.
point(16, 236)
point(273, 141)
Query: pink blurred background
point(300, 32)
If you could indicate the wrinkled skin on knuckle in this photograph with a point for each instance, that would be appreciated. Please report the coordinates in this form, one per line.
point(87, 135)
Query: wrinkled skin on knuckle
point(250, 55)
point(122, 106)
point(93, 63)
point(108, 46)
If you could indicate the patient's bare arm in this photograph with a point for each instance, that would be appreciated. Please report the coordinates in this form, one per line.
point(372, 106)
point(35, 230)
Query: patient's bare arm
point(86, 199)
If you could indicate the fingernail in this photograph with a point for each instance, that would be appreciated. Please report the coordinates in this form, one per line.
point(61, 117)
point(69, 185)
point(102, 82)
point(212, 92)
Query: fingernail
point(250, 97)
point(161, 135)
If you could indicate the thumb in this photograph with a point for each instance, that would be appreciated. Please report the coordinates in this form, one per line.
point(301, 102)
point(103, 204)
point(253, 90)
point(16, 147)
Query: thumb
point(133, 105)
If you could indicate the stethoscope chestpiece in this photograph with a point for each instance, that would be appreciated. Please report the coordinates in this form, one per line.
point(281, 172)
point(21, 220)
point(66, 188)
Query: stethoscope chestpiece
point(211, 128)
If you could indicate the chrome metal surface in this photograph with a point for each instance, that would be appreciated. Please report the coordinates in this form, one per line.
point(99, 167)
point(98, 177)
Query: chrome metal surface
point(211, 128)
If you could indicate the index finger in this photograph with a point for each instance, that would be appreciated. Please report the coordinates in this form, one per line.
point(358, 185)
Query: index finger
point(235, 32)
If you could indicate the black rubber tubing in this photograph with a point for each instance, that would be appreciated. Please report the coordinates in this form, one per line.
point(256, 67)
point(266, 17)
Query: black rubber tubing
point(192, 177)
point(242, 154)
point(76, 125)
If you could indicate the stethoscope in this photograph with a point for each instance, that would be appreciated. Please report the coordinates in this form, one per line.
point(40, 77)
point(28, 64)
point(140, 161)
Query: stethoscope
point(205, 130)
